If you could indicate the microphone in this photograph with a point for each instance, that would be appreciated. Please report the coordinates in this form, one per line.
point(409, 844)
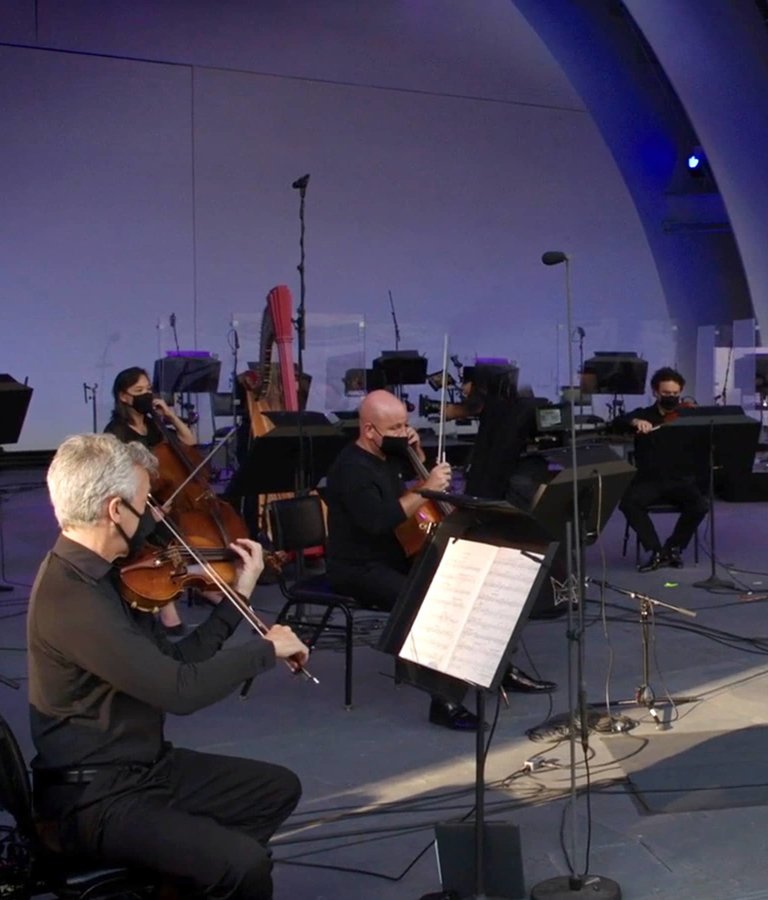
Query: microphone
point(553, 257)
point(237, 339)
point(172, 320)
point(301, 183)
point(581, 333)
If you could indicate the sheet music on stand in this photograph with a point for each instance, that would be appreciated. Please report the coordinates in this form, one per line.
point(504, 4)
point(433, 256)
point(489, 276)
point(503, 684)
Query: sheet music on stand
point(472, 606)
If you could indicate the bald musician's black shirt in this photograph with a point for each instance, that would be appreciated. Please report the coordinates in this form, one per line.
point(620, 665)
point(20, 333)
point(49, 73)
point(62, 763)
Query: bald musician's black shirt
point(363, 495)
point(102, 676)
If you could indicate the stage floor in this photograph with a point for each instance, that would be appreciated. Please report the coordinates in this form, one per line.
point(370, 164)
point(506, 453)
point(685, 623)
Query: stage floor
point(378, 777)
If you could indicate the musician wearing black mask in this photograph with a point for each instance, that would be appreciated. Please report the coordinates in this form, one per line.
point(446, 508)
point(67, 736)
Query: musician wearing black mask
point(103, 677)
point(133, 417)
point(367, 499)
point(657, 479)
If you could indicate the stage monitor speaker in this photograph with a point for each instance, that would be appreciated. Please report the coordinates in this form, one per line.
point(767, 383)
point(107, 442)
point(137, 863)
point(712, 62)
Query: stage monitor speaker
point(503, 860)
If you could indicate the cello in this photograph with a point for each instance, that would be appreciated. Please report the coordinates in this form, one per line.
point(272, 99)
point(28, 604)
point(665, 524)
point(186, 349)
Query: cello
point(416, 530)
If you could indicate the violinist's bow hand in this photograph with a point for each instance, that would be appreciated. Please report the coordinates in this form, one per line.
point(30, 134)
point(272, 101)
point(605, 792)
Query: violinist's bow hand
point(251, 564)
point(288, 646)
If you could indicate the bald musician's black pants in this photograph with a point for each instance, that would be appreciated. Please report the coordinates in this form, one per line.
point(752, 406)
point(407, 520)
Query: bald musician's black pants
point(197, 817)
point(645, 493)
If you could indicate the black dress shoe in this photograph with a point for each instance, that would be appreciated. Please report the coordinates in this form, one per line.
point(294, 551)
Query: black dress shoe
point(672, 556)
point(451, 715)
point(654, 561)
point(517, 680)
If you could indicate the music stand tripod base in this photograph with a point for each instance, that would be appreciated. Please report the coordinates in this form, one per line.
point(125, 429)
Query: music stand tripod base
point(566, 887)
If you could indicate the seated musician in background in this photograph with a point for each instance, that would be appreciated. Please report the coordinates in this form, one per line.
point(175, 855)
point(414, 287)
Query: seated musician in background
point(102, 677)
point(656, 481)
point(499, 466)
point(135, 404)
point(367, 500)
point(133, 420)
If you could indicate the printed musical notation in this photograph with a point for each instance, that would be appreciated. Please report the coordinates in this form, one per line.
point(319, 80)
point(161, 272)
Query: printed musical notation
point(471, 609)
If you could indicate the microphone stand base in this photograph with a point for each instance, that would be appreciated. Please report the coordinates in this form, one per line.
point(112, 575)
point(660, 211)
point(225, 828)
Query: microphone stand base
point(713, 583)
point(565, 887)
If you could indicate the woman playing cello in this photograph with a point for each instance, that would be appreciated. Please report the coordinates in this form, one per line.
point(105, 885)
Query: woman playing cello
point(132, 420)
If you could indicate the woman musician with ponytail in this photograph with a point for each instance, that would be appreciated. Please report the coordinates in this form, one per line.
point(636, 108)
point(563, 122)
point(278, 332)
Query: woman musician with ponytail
point(133, 419)
point(135, 404)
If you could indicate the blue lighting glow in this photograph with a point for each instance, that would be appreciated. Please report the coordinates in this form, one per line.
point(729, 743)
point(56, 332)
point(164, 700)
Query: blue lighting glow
point(694, 161)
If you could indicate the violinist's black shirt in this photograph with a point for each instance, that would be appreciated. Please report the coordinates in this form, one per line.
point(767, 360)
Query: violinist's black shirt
point(123, 432)
point(363, 497)
point(650, 463)
point(102, 676)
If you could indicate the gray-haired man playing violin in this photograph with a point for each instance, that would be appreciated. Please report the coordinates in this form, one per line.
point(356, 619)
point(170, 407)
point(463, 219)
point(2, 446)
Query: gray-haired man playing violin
point(102, 677)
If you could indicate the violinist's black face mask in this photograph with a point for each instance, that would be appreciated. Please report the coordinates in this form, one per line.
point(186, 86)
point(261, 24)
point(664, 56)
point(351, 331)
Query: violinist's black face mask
point(142, 403)
point(146, 527)
point(669, 403)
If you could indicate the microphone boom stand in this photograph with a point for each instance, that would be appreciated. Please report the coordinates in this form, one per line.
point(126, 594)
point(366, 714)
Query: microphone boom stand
point(644, 694)
point(574, 885)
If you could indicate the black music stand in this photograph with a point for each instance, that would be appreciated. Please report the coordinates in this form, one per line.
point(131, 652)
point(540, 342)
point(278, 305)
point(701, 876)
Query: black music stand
point(186, 375)
point(401, 367)
point(14, 403)
point(306, 441)
point(466, 866)
point(705, 439)
point(616, 373)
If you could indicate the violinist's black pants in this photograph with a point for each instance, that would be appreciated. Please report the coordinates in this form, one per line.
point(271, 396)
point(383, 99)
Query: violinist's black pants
point(645, 493)
point(192, 816)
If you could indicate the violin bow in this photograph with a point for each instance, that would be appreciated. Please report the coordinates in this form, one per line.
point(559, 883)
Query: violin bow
point(443, 397)
point(234, 598)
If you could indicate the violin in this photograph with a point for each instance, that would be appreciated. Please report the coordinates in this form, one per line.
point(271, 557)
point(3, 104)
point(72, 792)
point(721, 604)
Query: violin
point(674, 413)
point(160, 575)
point(211, 576)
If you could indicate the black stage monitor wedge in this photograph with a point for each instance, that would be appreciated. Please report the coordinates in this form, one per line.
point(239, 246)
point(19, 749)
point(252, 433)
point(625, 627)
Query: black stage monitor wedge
point(617, 373)
point(14, 402)
point(402, 367)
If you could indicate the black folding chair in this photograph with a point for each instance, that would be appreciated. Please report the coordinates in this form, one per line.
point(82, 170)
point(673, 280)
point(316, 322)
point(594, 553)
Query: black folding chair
point(28, 865)
point(297, 524)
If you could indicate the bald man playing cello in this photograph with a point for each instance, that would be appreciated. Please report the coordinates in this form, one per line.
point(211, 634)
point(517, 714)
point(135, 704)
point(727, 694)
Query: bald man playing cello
point(367, 499)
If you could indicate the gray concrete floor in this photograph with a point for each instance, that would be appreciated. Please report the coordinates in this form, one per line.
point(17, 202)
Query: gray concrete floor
point(377, 778)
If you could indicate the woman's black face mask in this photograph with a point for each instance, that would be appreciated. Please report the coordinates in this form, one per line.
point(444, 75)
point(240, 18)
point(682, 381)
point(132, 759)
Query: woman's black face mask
point(142, 403)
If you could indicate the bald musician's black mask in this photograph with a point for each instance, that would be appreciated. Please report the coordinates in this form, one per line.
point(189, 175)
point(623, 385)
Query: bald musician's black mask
point(394, 446)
